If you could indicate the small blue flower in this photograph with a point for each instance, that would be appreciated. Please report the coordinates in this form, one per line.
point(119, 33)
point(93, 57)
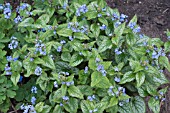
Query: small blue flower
point(91, 98)
point(115, 15)
point(97, 60)
point(100, 67)
point(163, 99)
point(55, 84)
point(38, 71)
point(116, 69)
point(13, 44)
point(62, 42)
point(33, 99)
point(34, 89)
point(7, 12)
point(59, 49)
point(86, 70)
point(71, 38)
point(15, 59)
point(18, 19)
point(9, 58)
point(65, 5)
point(132, 25)
point(117, 51)
point(168, 37)
point(31, 59)
point(1, 7)
point(120, 104)
point(90, 111)
point(95, 110)
point(99, 15)
point(117, 24)
point(136, 30)
point(116, 79)
point(65, 98)
point(103, 27)
point(61, 104)
point(20, 79)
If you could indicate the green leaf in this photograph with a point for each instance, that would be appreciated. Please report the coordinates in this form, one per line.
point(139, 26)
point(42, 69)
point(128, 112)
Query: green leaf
point(167, 46)
point(72, 105)
point(39, 106)
point(43, 19)
point(91, 15)
point(106, 44)
point(85, 89)
point(95, 29)
point(86, 106)
point(127, 77)
point(99, 81)
point(163, 60)
point(135, 65)
point(113, 101)
point(154, 105)
point(103, 20)
point(140, 78)
point(101, 3)
point(119, 30)
point(137, 105)
point(58, 109)
point(134, 19)
point(77, 46)
point(75, 92)
point(65, 32)
point(27, 22)
point(81, 36)
point(46, 109)
point(66, 56)
point(11, 93)
point(15, 78)
point(76, 59)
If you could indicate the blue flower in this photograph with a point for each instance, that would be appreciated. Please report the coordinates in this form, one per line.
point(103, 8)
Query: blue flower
point(1, 7)
point(7, 12)
point(23, 6)
point(86, 70)
point(115, 15)
point(103, 27)
point(91, 98)
point(132, 25)
point(62, 42)
point(120, 104)
point(13, 44)
point(117, 23)
point(117, 51)
point(99, 15)
point(81, 9)
point(33, 99)
point(59, 49)
point(34, 89)
point(116, 79)
point(97, 60)
point(136, 30)
point(65, 5)
point(61, 104)
point(95, 110)
point(55, 84)
point(71, 38)
point(116, 69)
point(65, 98)
point(38, 71)
point(9, 58)
point(31, 59)
point(20, 79)
point(168, 37)
point(18, 19)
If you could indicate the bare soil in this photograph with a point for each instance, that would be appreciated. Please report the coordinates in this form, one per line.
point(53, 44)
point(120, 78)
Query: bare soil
point(154, 20)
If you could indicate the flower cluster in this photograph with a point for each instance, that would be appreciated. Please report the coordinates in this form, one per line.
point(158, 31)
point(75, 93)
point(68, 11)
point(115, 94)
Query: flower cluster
point(33, 99)
point(7, 11)
point(22, 7)
point(81, 9)
point(14, 43)
point(38, 71)
point(34, 89)
point(40, 47)
point(28, 108)
point(18, 19)
point(118, 51)
point(132, 26)
point(156, 53)
point(8, 70)
point(91, 98)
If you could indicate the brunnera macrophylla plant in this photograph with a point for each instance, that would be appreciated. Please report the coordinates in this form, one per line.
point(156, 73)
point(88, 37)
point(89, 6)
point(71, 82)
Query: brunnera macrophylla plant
point(78, 56)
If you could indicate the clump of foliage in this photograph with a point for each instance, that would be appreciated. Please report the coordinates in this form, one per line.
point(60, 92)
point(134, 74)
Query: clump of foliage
point(76, 56)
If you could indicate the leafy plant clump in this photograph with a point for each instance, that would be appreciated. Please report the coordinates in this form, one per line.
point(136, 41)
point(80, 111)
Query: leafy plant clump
point(78, 56)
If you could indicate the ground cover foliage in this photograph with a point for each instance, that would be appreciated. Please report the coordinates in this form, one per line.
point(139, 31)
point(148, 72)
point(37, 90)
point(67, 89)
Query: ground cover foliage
point(78, 56)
